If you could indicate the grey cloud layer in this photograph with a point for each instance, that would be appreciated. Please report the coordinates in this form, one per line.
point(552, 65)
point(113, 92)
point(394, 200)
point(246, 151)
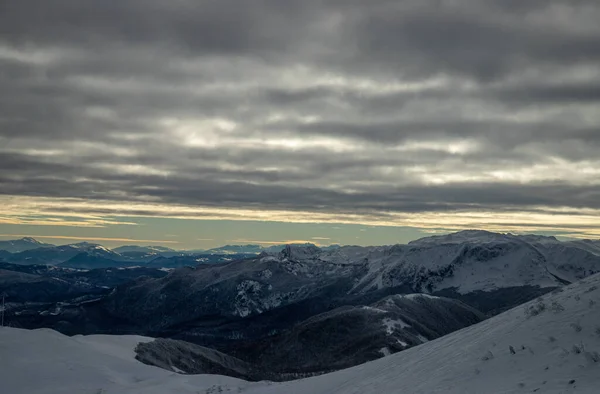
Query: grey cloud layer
point(331, 106)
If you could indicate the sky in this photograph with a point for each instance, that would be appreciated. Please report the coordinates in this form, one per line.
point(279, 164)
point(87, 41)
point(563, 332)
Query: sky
point(199, 123)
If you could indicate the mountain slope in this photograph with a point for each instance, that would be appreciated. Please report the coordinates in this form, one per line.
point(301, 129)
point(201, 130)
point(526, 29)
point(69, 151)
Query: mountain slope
point(22, 287)
point(182, 356)
point(352, 335)
point(238, 289)
point(93, 364)
point(556, 341)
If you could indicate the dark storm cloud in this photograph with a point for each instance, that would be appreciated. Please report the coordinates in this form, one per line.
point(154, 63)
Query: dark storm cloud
point(458, 40)
point(581, 93)
point(334, 106)
point(228, 27)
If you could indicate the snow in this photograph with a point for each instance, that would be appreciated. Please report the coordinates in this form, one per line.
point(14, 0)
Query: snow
point(422, 338)
point(460, 237)
point(46, 362)
point(391, 325)
point(472, 261)
point(473, 360)
point(556, 342)
point(455, 363)
point(419, 295)
point(371, 309)
point(269, 259)
point(385, 351)
point(175, 369)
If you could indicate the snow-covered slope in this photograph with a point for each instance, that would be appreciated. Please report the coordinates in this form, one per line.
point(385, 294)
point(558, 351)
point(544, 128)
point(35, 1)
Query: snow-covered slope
point(549, 345)
point(555, 341)
point(479, 261)
point(46, 362)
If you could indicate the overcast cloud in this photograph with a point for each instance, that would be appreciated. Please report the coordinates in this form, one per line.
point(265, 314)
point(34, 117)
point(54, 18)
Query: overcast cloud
point(356, 111)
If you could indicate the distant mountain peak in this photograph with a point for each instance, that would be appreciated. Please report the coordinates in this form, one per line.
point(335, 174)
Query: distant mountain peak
point(30, 240)
point(460, 237)
point(84, 244)
point(22, 244)
point(291, 251)
point(481, 236)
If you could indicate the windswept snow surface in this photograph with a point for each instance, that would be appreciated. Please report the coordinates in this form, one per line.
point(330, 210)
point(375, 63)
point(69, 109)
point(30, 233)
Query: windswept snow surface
point(556, 343)
point(46, 362)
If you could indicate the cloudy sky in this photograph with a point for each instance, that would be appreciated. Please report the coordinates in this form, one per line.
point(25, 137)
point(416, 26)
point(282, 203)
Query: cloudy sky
point(197, 123)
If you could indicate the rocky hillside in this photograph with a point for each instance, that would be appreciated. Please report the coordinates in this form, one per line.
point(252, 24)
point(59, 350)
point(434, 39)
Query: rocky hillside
point(352, 335)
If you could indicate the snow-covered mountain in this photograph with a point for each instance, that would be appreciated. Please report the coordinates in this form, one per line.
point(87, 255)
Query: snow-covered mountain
point(142, 249)
point(86, 255)
point(461, 263)
point(235, 249)
point(549, 345)
point(257, 249)
point(59, 254)
point(467, 261)
point(23, 244)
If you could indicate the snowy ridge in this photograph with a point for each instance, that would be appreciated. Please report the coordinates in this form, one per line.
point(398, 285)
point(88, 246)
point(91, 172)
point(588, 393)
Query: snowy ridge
point(467, 260)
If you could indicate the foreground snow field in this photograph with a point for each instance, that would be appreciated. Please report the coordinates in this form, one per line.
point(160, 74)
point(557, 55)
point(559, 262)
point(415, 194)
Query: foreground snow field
point(550, 345)
point(44, 361)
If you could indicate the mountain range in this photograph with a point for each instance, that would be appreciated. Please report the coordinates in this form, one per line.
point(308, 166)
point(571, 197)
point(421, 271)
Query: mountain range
point(270, 309)
point(548, 345)
point(85, 255)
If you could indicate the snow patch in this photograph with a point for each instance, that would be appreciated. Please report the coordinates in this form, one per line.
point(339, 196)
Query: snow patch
point(385, 351)
point(419, 295)
point(370, 308)
point(392, 325)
